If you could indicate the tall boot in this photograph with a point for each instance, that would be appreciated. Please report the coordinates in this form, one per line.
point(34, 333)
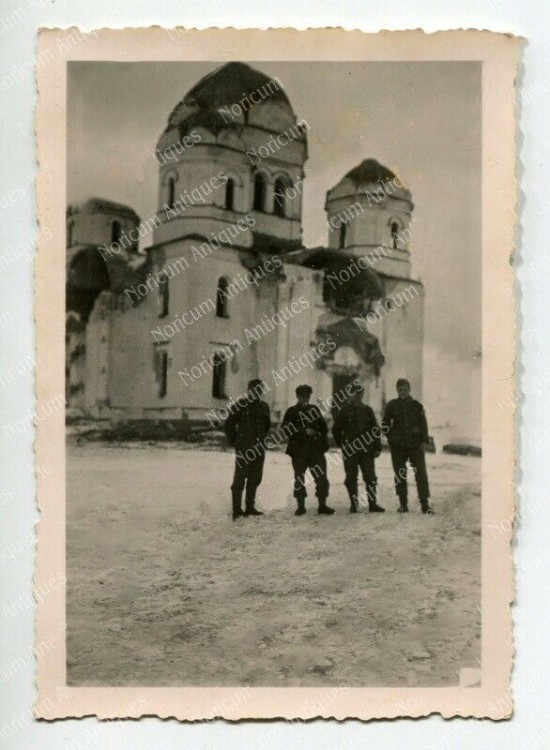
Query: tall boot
point(426, 507)
point(353, 503)
point(301, 509)
point(403, 504)
point(250, 501)
point(371, 497)
point(236, 504)
point(323, 509)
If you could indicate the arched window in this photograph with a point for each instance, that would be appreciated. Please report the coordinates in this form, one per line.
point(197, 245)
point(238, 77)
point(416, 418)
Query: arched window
point(395, 234)
point(343, 229)
point(219, 374)
point(161, 371)
point(230, 194)
point(171, 192)
point(116, 231)
point(259, 192)
point(279, 206)
point(221, 298)
point(164, 295)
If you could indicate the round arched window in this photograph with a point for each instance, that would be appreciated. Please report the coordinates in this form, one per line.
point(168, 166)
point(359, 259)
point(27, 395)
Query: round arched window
point(279, 206)
point(230, 194)
point(171, 192)
point(259, 192)
point(222, 298)
point(395, 234)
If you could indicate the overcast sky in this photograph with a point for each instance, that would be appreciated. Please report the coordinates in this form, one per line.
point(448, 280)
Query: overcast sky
point(422, 120)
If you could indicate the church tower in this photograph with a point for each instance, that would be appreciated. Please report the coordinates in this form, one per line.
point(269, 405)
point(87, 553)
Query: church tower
point(102, 238)
point(369, 214)
point(100, 223)
point(231, 168)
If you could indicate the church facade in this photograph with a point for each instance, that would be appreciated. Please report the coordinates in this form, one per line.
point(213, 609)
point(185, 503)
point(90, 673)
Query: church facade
point(227, 291)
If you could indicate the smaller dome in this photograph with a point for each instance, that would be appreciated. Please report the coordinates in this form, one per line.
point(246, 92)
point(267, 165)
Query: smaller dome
point(101, 205)
point(369, 170)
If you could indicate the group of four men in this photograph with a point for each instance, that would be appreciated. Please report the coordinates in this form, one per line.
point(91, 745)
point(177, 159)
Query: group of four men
point(355, 431)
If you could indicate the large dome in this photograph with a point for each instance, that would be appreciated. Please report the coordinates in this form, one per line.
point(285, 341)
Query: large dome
point(234, 87)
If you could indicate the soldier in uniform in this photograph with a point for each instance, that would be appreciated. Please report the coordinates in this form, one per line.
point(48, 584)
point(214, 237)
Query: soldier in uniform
point(307, 446)
point(356, 431)
point(246, 429)
point(405, 425)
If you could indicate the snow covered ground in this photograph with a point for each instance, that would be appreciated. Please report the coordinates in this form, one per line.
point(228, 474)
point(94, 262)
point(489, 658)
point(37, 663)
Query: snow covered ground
point(164, 589)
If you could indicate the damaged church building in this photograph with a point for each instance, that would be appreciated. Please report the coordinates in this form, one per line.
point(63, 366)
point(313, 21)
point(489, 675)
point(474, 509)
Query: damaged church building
point(227, 292)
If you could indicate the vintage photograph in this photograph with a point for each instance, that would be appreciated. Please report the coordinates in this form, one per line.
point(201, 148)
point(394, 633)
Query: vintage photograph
point(275, 269)
point(273, 358)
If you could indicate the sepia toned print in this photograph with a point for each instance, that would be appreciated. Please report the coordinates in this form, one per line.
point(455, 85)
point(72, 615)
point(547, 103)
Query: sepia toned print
point(280, 478)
